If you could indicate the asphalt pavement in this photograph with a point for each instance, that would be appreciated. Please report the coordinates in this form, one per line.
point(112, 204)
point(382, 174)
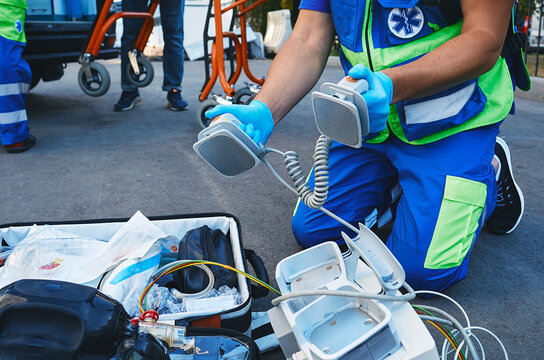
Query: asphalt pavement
point(90, 162)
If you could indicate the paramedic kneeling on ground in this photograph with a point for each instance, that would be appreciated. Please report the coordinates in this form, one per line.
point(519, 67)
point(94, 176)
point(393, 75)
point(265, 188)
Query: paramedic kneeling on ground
point(438, 91)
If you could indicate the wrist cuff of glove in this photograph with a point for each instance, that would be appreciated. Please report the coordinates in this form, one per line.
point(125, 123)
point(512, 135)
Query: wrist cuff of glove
point(267, 114)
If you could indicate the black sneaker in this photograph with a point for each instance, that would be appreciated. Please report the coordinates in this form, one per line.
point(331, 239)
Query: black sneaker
point(510, 204)
point(22, 146)
point(127, 101)
point(175, 102)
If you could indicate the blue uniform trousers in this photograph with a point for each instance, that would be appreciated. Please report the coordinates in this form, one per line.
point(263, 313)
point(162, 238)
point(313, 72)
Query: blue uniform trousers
point(448, 187)
point(172, 26)
point(15, 79)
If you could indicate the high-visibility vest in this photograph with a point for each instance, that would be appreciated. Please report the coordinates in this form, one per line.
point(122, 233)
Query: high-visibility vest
point(12, 20)
point(381, 38)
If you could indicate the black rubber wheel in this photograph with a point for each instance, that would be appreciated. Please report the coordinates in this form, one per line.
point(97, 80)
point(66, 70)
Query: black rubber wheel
point(146, 72)
point(206, 105)
point(244, 96)
point(98, 84)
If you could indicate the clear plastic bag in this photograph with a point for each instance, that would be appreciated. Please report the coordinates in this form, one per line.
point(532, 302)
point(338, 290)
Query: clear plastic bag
point(160, 299)
point(48, 253)
point(222, 298)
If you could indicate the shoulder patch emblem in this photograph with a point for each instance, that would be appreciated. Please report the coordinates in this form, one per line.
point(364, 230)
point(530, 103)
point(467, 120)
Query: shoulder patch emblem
point(406, 23)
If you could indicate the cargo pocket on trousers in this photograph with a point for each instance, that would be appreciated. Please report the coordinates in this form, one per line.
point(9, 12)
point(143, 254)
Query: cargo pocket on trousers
point(458, 220)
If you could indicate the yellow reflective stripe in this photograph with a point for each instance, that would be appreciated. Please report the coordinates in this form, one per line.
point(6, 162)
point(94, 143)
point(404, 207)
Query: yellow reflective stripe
point(17, 3)
point(458, 220)
point(384, 58)
point(392, 56)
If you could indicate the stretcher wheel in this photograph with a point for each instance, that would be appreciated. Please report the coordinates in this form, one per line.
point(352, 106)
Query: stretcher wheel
point(98, 84)
point(146, 72)
point(206, 105)
point(243, 96)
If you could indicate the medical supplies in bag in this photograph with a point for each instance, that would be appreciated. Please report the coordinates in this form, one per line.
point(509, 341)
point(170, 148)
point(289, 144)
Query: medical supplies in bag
point(48, 252)
point(133, 262)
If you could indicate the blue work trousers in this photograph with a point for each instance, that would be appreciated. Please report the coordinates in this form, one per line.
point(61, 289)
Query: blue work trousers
point(448, 187)
point(15, 79)
point(172, 26)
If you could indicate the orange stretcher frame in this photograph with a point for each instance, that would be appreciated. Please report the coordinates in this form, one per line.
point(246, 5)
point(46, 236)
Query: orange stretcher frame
point(103, 23)
point(218, 51)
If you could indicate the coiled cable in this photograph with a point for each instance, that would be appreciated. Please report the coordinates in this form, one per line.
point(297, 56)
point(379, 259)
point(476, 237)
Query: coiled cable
point(316, 198)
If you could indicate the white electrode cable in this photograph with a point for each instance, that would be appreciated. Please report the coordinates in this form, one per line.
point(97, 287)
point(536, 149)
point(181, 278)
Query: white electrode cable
point(459, 327)
point(265, 151)
point(430, 292)
point(478, 340)
point(353, 294)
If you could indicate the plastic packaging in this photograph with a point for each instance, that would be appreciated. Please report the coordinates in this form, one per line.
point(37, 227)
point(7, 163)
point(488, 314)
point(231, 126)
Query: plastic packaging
point(221, 298)
point(5, 251)
point(128, 280)
point(48, 253)
point(160, 299)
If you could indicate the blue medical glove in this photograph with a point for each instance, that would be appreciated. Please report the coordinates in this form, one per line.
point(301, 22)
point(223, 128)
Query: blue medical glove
point(256, 119)
point(378, 97)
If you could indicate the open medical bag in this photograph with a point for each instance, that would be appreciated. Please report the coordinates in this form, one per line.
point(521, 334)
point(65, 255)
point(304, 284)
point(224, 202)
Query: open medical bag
point(237, 318)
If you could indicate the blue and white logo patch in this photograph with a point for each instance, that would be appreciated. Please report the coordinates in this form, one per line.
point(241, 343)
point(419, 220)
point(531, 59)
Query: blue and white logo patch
point(406, 23)
point(19, 26)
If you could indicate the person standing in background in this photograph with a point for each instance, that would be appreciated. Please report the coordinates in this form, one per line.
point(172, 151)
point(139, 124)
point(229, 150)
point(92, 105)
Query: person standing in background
point(173, 55)
point(15, 78)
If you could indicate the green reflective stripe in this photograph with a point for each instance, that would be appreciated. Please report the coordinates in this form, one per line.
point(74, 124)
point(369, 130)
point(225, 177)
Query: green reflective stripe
point(497, 87)
point(458, 220)
point(392, 56)
point(8, 20)
point(380, 138)
point(388, 57)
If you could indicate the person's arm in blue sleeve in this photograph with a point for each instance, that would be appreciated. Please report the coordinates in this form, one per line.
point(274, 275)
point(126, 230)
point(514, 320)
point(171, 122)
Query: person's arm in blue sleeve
point(294, 71)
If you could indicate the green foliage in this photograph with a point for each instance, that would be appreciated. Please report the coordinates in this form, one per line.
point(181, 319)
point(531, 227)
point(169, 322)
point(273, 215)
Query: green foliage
point(525, 8)
point(287, 4)
point(257, 16)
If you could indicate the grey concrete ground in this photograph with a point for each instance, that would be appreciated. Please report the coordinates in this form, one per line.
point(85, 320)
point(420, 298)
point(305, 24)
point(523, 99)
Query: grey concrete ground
point(90, 162)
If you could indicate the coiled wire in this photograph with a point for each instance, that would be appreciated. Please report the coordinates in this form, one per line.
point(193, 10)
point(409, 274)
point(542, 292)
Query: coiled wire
point(316, 198)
